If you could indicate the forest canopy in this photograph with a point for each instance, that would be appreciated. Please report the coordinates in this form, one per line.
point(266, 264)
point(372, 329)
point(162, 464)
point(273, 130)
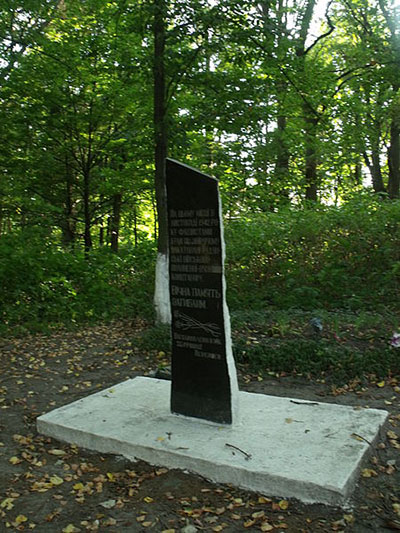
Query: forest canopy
point(291, 105)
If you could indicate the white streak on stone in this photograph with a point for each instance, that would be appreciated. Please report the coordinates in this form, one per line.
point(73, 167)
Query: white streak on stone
point(227, 323)
point(161, 292)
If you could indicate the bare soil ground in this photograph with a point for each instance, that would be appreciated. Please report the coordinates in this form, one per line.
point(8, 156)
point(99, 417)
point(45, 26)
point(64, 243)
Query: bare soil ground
point(53, 487)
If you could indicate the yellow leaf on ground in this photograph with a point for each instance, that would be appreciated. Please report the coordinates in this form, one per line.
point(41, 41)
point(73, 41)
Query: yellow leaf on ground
point(380, 384)
point(110, 476)
point(368, 472)
point(56, 480)
point(57, 452)
point(70, 529)
point(147, 499)
point(15, 460)
point(396, 508)
point(283, 504)
point(7, 504)
point(21, 518)
point(349, 518)
point(78, 486)
point(266, 527)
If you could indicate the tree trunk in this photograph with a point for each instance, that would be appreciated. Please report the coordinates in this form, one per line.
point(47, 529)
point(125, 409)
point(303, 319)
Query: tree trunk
point(374, 167)
point(135, 228)
point(311, 178)
point(281, 172)
point(101, 234)
point(115, 221)
point(161, 294)
point(68, 223)
point(86, 212)
point(394, 160)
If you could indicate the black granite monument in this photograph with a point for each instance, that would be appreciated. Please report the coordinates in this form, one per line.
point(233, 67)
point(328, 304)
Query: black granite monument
point(202, 378)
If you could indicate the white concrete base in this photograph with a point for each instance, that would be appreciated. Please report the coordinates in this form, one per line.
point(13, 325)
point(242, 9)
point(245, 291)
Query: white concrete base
point(279, 446)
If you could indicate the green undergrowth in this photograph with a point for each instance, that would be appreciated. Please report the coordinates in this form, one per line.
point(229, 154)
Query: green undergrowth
point(351, 345)
point(331, 258)
point(45, 286)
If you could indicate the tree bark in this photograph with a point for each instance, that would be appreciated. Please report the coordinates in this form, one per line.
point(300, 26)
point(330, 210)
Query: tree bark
point(374, 167)
point(311, 177)
point(86, 212)
point(394, 160)
point(161, 294)
point(115, 221)
point(68, 223)
point(281, 172)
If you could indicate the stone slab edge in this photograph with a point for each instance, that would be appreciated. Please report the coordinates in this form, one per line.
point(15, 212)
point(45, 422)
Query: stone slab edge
point(237, 475)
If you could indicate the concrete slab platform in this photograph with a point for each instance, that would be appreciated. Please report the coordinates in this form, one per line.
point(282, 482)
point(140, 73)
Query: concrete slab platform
point(279, 446)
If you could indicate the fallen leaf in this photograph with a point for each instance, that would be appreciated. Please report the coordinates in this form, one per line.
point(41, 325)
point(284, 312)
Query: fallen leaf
point(148, 499)
point(108, 504)
point(20, 519)
point(380, 384)
point(7, 504)
point(57, 452)
point(368, 472)
point(55, 480)
point(15, 460)
point(349, 518)
point(70, 528)
point(283, 504)
point(266, 527)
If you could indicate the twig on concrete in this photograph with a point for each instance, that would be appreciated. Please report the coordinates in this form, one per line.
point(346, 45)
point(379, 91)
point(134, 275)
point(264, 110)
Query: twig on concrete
point(304, 403)
point(359, 437)
point(247, 455)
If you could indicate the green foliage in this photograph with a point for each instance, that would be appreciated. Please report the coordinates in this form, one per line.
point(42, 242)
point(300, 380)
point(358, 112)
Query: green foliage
point(345, 257)
point(45, 285)
point(350, 344)
point(156, 337)
point(308, 356)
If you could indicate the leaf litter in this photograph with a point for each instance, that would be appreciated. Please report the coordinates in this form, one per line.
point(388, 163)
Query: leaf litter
point(68, 489)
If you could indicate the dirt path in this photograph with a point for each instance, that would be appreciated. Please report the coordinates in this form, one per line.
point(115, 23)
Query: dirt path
point(52, 487)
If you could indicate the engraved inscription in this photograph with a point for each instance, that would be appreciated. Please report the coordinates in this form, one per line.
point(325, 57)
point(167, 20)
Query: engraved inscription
point(195, 252)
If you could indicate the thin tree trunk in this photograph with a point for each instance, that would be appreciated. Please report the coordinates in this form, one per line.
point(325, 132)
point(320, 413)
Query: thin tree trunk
point(374, 167)
point(115, 221)
point(68, 224)
point(135, 228)
point(161, 294)
point(101, 234)
point(394, 160)
point(311, 178)
point(282, 158)
point(86, 212)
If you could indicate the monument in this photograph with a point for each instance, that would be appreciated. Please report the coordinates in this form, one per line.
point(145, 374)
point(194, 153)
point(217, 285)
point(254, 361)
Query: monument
point(203, 372)
point(283, 447)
